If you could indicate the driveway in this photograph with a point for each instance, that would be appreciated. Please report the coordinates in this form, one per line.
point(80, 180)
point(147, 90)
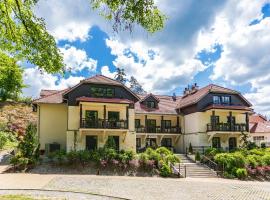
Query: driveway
point(139, 187)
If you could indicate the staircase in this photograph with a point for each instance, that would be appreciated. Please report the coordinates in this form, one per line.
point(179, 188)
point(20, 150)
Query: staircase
point(189, 168)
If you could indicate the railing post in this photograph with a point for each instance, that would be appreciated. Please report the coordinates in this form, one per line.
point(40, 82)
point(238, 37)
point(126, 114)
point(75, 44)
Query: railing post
point(185, 171)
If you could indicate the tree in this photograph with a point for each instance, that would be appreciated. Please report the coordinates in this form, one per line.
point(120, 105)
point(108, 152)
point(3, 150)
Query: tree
point(126, 13)
point(11, 81)
point(135, 86)
point(120, 75)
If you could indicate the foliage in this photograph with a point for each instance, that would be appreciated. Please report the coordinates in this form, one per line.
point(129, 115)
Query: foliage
point(135, 86)
point(256, 162)
point(246, 143)
point(25, 37)
point(211, 152)
point(197, 156)
point(164, 151)
point(7, 140)
point(165, 170)
point(120, 75)
point(11, 81)
point(172, 159)
point(28, 148)
point(125, 13)
point(110, 143)
point(190, 149)
point(241, 173)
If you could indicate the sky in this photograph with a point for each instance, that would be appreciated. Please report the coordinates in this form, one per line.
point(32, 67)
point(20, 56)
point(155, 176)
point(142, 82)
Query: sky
point(208, 41)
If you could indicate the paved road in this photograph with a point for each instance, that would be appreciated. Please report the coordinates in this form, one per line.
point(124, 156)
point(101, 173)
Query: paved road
point(141, 187)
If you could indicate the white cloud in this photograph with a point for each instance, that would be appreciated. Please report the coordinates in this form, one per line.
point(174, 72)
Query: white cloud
point(68, 19)
point(155, 73)
point(77, 59)
point(37, 81)
point(106, 72)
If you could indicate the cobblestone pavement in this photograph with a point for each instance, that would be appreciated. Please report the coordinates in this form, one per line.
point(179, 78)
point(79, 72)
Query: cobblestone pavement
point(54, 195)
point(139, 187)
point(158, 188)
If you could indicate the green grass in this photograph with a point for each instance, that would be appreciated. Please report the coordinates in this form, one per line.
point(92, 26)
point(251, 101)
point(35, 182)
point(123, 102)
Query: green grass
point(15, 197)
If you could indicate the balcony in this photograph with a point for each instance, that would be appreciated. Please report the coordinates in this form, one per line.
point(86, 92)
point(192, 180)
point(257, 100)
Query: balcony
point(104, 124)
point(158, 129)
point(227, 127)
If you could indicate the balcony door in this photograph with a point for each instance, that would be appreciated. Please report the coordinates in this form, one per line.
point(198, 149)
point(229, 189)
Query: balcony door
point(113, 119)
point(91, 118)
point(151, 125)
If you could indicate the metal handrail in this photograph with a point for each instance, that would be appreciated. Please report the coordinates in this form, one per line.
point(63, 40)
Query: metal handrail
point(211, 164)
point(158, 129)
point(104, 123)
point(226, 127)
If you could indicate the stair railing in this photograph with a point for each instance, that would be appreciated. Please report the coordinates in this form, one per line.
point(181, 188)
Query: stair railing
point(212, 165)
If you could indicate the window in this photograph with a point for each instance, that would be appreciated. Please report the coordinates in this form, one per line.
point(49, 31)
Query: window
point(216, 142)
point(216, 99)
point(166, 142)
point(137, 123)
point(91, 115)
point(258, 138)
point(226, 99)
point(214, 119)
point(102, 92)
point(231, 120)
point(138, 142)
point(167, 123)
point(151, 104)
point(113, 116)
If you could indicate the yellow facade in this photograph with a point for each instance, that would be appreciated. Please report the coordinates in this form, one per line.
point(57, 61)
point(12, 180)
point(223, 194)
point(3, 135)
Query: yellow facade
point(52, 125)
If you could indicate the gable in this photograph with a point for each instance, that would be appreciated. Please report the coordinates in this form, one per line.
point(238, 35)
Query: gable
point(98, 91)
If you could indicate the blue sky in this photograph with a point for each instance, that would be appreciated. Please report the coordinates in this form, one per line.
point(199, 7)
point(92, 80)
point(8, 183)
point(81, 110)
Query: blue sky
point(209, 41)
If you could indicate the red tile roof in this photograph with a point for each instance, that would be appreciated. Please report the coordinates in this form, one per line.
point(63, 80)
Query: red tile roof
point(149, 95)
point(193, 98)
point(47, 92)
point(257, 118)
point(260, 127)
point(166, 105)
point(104, 100)
point(53, 97)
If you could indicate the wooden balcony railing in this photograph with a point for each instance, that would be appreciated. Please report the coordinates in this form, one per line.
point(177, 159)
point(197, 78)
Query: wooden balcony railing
point(104, 124)
point(158, 129)
point(227, 127)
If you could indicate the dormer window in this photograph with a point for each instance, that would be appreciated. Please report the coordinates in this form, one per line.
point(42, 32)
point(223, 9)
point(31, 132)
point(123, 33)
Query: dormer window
point(226, 99)
point(216, 99)
point(151, 104)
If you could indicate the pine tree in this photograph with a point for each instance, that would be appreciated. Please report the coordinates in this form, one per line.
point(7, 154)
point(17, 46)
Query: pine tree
point(120, 75)
point(135, 86)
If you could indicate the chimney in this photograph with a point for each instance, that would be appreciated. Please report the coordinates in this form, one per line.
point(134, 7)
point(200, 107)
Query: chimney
point(186, 92)
point(174, 97)
point(194, 88)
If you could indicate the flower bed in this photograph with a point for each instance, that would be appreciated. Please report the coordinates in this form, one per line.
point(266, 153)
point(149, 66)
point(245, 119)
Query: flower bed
point(153, 162)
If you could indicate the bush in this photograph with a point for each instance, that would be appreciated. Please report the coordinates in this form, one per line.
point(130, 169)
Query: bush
point(241, 173)
point(60, 156)
point(172, 159)
point(198, 156)
point(266, 159)
point(165, 170)
point(110, 143)
point(190, 149)
point(164, 151)
point(257, 152)
point(252, 161)
point(3, 139)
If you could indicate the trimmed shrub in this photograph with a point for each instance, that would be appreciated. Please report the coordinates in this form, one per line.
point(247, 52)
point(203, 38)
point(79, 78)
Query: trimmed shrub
point(198, 156)
point(172, 159)
point(190, 149)
point(241, 173)
point(266, 159)
point(163, 151)
point(165, 170)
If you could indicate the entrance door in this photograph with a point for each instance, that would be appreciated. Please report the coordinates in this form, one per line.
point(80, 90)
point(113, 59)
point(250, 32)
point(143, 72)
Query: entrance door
point(151, 126)
point(232, 143)
point(116, 141)
point(91, 142)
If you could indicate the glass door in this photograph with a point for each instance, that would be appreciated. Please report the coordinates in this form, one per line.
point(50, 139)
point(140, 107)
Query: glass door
point(91, 118)
point(151, 126)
